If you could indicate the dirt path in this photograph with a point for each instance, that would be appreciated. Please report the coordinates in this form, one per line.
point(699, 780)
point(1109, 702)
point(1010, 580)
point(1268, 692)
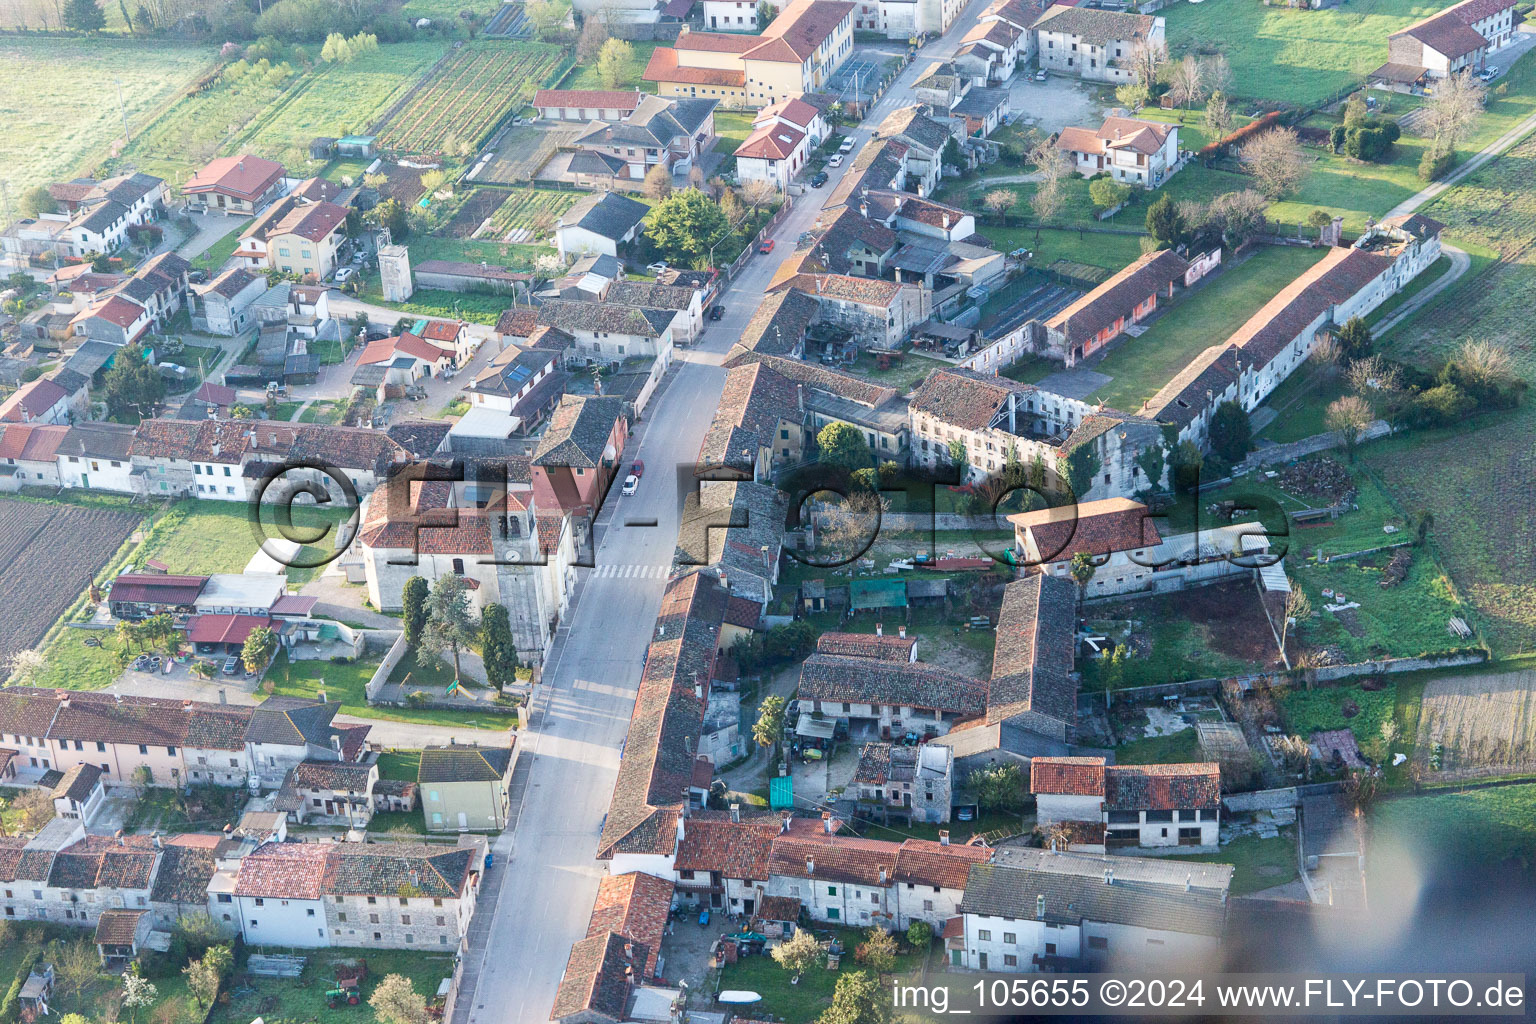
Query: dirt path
point(1460, 261)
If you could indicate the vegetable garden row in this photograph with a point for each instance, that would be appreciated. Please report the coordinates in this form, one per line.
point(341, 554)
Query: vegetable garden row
point(465, 98)
point(527, 215)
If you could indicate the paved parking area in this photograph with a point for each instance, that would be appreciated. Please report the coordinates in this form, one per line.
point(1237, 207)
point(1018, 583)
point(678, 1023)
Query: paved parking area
point(1053, 104)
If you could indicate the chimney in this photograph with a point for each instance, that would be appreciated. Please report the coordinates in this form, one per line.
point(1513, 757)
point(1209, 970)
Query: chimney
point(698, 690)
point(186, 705)
point(215, 449)
point(120, 840)
point(725, 584)
point(1187, 880)
point(629, 949)
point(158, 846)
point(736, 814)
point(943, 837)
point(810, 864)
point(784, 825)
point(1040, 907)
point(884, 873)
point(879, 629)
point(64, 700)
point(800, 397)
point(767, 560)
point(661, 631)
point(687, 798)
point(946, 221)
point(826, 822)
point(415, 879)
point(680, 819)
point(1109, 876)
point(863, 209)
point(901, 631)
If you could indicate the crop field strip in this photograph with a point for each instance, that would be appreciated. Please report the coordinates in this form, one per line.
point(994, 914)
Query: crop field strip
point(468, 94)
point(48, 555)
point(517, 219)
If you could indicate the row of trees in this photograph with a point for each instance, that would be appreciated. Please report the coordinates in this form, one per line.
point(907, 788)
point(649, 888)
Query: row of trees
point(438, 621)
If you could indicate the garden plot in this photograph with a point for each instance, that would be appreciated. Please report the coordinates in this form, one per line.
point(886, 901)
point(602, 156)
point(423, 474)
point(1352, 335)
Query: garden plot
point(49, 554)
point(527, 216)
point(468, 95)
point(1479, 725)
point(522, 150)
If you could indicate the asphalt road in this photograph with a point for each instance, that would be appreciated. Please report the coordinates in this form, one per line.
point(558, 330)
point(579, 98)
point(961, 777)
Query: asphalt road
point(523, 932)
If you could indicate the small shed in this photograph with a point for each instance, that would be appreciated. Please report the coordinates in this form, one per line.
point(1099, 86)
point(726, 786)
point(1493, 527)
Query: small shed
point(322, 148)
point(817, 596)
point(927, 590)
point(777, 916)
point(781, 793)
point(37, 990)
point(355, 147)
point(120, 934)
point(870, 595)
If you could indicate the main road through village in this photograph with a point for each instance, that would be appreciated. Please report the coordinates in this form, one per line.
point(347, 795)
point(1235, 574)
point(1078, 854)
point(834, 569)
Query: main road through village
point(538, 895)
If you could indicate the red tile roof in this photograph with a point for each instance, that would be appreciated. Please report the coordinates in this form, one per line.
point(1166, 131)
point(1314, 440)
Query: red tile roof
point(635, 905)
point(867, 645)
point(283, 870)
point(443, 330)
point(800, 28)
point(244, 177)
point(1118, 296)
point(716, 42)
point(157, 588)
point(663, 67)
point(588, 98)
point(224, 629)
point(1097, 527)
point(385, 350)
point(925, 862)
point(1067, 776)
point(27, 442)
point(772, 142)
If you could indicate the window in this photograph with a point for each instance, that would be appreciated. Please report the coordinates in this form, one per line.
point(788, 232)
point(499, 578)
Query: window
point(927, 904)
point(405, 901)
point(874, 897)
point(372, 900)
point(143, 749)
point(377, 936)
point(260, 902)
point(983, 935)
point(373, 918)
point(341, 917)
point(831, 890)
point(309, 911)
point(405, 918)
point(1050, 949)
point(833, 914)
point(1098, 942)
point(1009, 960)
point(224, 897)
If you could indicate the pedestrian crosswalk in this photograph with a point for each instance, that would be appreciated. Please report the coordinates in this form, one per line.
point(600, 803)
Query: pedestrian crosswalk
point(633, 572)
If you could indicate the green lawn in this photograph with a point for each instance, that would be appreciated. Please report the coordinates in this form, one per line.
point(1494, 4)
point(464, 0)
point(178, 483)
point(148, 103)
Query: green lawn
point(345, 682)
point(1406, 620)
point(1111, 252)
point(1194, 322)
point(1180, 648)
point(1328, 708)
point(323, 412)
point(1257, 863)
point(585, 76)
point(203, 536)
point(304, 999)
point(802, 1003)
point(1452, 831)
point(1295, 56)
point(1301, 404)
point(70, 664)
point(219, 252)
point(960, 831)
point(1180, 747)
point(1357, 530)
point(400, 765)
point(60, 100)
point(732, 129)
point(398, 821)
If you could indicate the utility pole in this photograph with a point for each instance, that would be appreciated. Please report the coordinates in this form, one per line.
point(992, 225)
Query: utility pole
point(122, 110)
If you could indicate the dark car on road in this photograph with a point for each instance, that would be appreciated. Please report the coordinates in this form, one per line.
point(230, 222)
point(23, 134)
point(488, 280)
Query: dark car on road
point(818, 179)
point(716, 312)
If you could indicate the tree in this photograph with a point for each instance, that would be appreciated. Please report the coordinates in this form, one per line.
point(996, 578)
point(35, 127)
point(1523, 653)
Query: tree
point(1107, 193)
point(259, 648)
point(998, 202)
point(36, 201)
point(1187, 83)
point(27, 667)
point(770, 721)
point(450, 624)
point(1347, 419)
point(1231, 433)
point(1164, 222)
point(431, 181)
point(1276, 160)
point(685, 226)
point(1083, 463)
point(1217, 120)
point(1374, 376)
point(1294, 753)
point(756, 192)
point(1083, 569)
point(393, 217)
point(920, 935)
point(396, 1001)
point(1482, 368)
point(766, 12)
point(594, 33)
point(1452, 112)
point(952, 158)
point(1052, 167)
point(1147, 56)
point(497, 649)
point(1359, 789)
point(33, 809)
point(414, 616)
point(1297, 607)
point(1389, 733)
point(1354, 338)
point(858, 999)
point(959, 458)
point(800, 953)
point(877, 951)
point(843, 445)
point(548, 17)
point(1132, 95)
point(83, 16)
point(204, 976)
point(137, 992)
point(1218, 74)
point(998, 787)
point(614, 62)
point(77, 965)
point(1236, 215)
point(1151, 460)
point(132, 388)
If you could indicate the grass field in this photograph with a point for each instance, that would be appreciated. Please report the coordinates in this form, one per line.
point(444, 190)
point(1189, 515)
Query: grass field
point(467, 95)
point(59, 102)
point(1454, 831)
point(345, 682)
point(1111, 252)
point(199, 536)
point(802, 1003)
point(219, 252)
point(1179, 747)
point(1486, 725)
point(1140, 366)
point(304, 999)
point(400, 765)
point(732, 129)
point(1295, 56)
point(585, 76)
point(1476, 480)
point(1407, 620)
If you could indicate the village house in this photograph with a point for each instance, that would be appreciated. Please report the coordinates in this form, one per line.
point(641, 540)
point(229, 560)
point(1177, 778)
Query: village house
point(80, 793)
point(465, 788)
point(234, 184)
point(29, 455)
point(670, 133)
point(996, 45)
point(299, 234)
point(886, 699)
point(904, 783)
point(806, 113)
point(1094, 45)
point(1111, 806)
point(404, 359)
point(96, 455)
point(584, 105)
point(1459, 38)
point(1125, 299)
point(795, 53)
point(458, 276)
point(1031, 910)
point(774, 153)
point(521, 386)
point(339, 792)
point(42, 401)
point(1132, 151)
point(223, 304)
point(608, 332)
point(102, 213)
point(598, 223)
point(1279, 338)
